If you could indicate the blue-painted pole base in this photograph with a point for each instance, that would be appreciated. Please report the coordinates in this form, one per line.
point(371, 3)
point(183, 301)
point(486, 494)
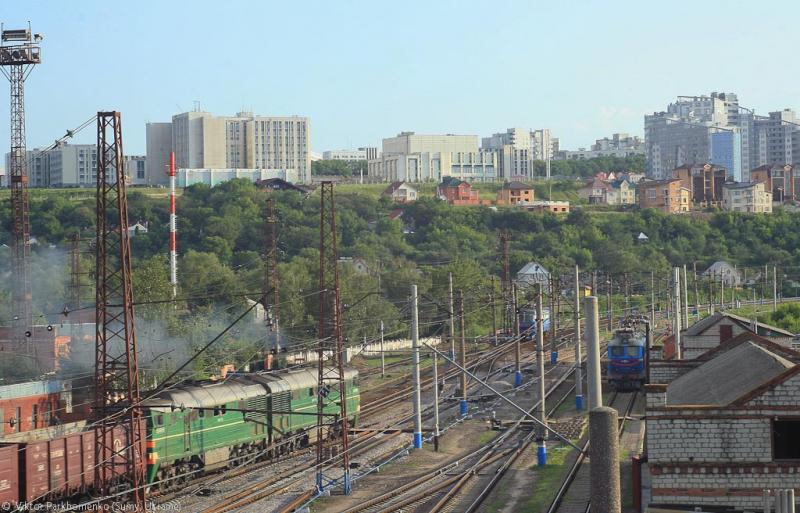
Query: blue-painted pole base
point(348, 485)
point(541, 455)
point(517, 378)
point(554, 357)
point(579, 402)
point(417, 440)
point(464, 407)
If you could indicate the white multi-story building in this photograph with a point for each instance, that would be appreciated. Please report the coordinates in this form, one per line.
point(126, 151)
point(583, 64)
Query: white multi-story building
point(412, 157)
point(618, 145)
point(68, 165)
point(518, 148)
point(245, 141)
point(746, 197)
point(136, 170)
point(348, 155)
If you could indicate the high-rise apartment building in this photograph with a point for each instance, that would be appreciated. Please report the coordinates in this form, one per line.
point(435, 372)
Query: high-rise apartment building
point(67, 165)
point(245, 141)
point(683, 133)
point(518, 148)
point(717, 129)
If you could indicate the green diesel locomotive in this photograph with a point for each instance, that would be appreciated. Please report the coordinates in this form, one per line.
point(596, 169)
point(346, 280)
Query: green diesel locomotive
point(248, 417)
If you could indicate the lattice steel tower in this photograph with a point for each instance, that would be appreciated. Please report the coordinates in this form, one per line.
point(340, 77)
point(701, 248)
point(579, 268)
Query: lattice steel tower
point(116, 369)
point(333, 433)
point(19, 53)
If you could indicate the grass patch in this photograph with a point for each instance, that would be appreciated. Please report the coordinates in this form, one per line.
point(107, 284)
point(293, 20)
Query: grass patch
point(548, 480)
point(487, 436)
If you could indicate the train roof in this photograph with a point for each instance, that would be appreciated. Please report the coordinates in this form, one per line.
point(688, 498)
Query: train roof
point(204, 396)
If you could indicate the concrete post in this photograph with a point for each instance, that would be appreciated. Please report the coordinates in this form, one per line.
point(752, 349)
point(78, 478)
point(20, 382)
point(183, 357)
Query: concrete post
point(464, 408)
point(541, 453)
point(415, 360)
point(494, 314)
point(774, 288)
point(383, 355)
point(436, 401)
point(592, 336)
point(452, 318)
point(676, 320)
point(685, 298)
point(652, 298)
point(553, 320)
point(604, 461)
point(790, 500)
point(578, 356)
point(517, 338)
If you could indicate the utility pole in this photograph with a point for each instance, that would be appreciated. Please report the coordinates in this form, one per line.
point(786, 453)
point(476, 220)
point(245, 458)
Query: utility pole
point(509, 316)
point(609, 293)
point(578, 359)
point(652, 298)
point(541, 452)
point(383, 355)
point(462, 357)
point(677, 317)
point(494, 313)
point(553, 317)
point(271, 279)
point(436, 401)
point(19, 53)
point(774, 288)
point(173, 229)
point(330, 371)
point(452, 318)
point(517, 338)
point(696, 291)
point(116, 379)
point(685, 299)
point(415, 360)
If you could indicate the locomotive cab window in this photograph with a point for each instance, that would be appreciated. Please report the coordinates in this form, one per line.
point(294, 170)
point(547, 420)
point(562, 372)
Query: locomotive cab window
point(633, 351)
point(223, 409)
point(617, 351)
point(201, 413)
point(311, 392)
point(159, 420)
point(786, 439)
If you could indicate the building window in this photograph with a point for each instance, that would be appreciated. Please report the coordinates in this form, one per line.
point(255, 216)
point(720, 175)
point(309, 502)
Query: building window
point(786, 439)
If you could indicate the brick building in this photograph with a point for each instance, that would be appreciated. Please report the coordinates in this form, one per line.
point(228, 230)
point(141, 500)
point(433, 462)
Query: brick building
point(704, 181)
point(778, 179)
point(33, 405)
point(669, 196)
point(723, 427)
point(458, 192)
point(720, 327)
point(513, 193)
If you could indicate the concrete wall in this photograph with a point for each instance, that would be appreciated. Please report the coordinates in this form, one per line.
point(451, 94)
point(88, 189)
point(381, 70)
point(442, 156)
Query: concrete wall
point(372, 349)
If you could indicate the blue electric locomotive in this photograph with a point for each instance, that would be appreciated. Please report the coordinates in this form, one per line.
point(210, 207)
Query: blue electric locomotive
point(527, 322)
point(627, 357)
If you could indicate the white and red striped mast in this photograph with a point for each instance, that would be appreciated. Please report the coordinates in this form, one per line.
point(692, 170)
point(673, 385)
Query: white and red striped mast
point(173, 229)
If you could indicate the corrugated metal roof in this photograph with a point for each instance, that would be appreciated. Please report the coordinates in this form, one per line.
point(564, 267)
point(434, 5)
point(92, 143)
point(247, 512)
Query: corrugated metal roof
point(32, 388)
point(723, 379)
point(205, 396)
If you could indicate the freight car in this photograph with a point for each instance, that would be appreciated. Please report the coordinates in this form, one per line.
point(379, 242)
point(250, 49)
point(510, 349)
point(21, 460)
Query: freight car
point(190, 429)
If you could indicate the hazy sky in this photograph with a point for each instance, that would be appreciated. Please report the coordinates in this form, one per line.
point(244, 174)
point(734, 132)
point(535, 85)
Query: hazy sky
point(367, 70)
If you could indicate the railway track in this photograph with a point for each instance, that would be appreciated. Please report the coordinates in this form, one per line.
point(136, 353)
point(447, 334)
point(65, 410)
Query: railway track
point(440, 489)
point(252, 493)
point(574, 494)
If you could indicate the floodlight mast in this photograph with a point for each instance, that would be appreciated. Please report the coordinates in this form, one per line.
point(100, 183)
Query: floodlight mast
point(19, 53)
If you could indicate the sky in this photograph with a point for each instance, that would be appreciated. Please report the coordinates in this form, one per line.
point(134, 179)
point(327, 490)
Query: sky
point(367, 70)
